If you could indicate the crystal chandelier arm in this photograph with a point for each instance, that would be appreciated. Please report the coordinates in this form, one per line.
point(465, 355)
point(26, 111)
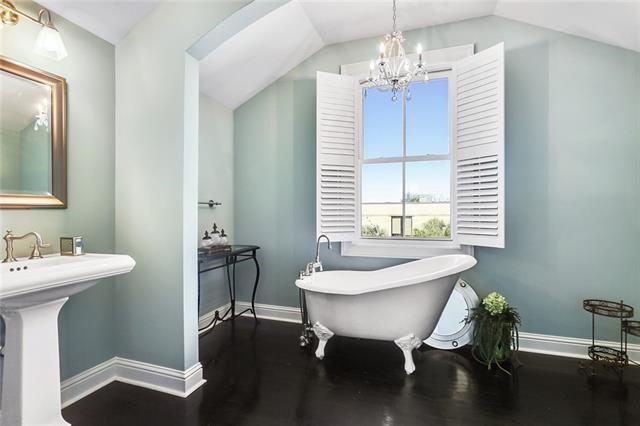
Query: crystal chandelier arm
point(384, 71)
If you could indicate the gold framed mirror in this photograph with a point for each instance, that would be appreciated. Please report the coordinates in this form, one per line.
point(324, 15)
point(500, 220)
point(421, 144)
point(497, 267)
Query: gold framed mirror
point(33, 137)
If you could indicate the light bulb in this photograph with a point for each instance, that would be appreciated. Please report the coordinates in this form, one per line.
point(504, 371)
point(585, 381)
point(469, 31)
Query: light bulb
point(372, 65)
point(49, 44)
point(419, 49)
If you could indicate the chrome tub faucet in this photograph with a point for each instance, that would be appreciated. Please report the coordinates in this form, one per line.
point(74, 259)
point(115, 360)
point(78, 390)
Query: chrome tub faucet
point(35, 253)
point(317, 265)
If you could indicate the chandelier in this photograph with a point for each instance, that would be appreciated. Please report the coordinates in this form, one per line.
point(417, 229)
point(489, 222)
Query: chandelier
point(392, 70)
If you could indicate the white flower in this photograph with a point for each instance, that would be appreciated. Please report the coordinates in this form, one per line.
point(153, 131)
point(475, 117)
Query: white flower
point(495, 303)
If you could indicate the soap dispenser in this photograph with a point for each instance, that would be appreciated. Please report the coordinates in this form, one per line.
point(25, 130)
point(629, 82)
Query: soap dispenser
point(223, 238)
point(215, 235)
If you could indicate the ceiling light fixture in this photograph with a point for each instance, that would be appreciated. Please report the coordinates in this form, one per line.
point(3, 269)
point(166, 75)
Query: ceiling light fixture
point(42, 117)
point(49, 42)
point(392, 70)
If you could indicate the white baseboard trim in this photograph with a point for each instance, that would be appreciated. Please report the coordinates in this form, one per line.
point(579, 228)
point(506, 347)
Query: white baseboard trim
point(568, 346)
point(529, 342)
point(150, 376)
point(206, 319)
point(163, 379)
point(87, 382)
point(272, 312)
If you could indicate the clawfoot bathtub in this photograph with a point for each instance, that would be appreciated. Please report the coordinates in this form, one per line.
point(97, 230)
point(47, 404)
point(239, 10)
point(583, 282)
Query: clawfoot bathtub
point(401, 304)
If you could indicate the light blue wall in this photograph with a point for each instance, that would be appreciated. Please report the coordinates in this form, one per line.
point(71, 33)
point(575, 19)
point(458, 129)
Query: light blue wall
point(572, 172)
point(86, 320)
point(215, 182)
point(156, 182)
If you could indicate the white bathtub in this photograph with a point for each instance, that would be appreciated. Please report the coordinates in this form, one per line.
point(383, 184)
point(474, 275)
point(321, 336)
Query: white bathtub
point(402, 303)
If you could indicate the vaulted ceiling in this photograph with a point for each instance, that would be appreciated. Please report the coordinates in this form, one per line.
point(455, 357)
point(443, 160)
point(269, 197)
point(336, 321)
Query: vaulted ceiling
point(258, 54)
point(264, 51)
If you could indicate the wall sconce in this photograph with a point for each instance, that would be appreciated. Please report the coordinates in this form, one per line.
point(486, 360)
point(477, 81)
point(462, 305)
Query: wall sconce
point(48, 43)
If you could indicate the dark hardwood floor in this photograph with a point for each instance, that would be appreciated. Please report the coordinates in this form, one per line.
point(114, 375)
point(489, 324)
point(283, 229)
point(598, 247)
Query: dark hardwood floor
point(257, 375)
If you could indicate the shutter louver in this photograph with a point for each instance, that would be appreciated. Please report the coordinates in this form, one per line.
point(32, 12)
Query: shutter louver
point(479, 148)
point(337, 121)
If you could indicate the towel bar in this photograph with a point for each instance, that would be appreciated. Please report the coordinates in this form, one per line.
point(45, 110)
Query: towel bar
point(211, 203)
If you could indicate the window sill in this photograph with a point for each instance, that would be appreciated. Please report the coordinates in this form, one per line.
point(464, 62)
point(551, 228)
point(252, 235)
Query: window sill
point(402, 249)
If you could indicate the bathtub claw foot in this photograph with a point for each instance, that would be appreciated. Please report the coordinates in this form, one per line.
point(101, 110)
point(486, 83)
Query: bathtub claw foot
point(407, 344)
point(323, 334)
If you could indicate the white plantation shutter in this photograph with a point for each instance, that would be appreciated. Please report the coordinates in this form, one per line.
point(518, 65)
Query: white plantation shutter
point(338, 108)
point(478, 130)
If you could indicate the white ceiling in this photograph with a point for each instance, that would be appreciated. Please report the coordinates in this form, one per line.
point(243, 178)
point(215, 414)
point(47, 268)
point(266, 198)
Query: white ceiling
point(615, 22)
point(265, 50)
point(258, 55)
point(110, 20)
point(339, 21)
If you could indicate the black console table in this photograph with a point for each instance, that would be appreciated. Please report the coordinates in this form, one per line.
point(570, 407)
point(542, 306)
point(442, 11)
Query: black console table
point(213, 258)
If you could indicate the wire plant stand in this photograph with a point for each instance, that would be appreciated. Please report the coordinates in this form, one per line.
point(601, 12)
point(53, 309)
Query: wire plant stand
point(632, 327)
point(609, 357)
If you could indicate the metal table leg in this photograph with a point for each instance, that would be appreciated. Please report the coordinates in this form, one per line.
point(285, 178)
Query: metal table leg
point(231, 286)
point(233, 302)
point(255, 286)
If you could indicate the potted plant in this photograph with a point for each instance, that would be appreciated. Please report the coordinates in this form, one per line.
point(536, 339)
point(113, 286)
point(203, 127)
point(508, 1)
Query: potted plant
point(495, 334)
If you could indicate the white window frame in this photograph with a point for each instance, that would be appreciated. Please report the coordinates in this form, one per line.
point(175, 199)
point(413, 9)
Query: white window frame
point(440, 65)
point(361, 161)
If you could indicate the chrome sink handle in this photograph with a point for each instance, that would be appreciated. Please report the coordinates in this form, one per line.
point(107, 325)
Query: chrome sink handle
point(308, 270)
point(35, 253)
point(8, 242)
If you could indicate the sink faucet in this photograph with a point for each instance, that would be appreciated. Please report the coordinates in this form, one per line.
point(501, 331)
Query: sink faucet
point(317, 265)
point(35, 253)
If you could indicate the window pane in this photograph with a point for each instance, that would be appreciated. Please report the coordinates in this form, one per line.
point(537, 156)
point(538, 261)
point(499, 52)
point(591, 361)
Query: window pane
point(396, 226)
point(428, 199)
point(396, 230)
point(381, 198)
point(428, 118)
point(382, 125)
point(408, 225)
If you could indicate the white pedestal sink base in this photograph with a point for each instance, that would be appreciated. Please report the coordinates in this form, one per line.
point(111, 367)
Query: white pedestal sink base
point(31, 295)
point(31, 382)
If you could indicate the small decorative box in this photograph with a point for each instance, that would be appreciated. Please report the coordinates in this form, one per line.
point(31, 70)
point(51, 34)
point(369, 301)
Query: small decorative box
point(71, 246)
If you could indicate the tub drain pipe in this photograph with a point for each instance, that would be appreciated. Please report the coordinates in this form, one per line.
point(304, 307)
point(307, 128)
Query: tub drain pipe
point(307, 330)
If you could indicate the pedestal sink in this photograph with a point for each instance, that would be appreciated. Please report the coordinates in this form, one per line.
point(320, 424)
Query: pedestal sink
point(31, 295)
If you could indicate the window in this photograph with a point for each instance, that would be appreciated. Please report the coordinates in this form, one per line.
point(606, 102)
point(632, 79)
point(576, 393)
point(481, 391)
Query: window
point(396, 225)
point(405, 163)
point(413, 178)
